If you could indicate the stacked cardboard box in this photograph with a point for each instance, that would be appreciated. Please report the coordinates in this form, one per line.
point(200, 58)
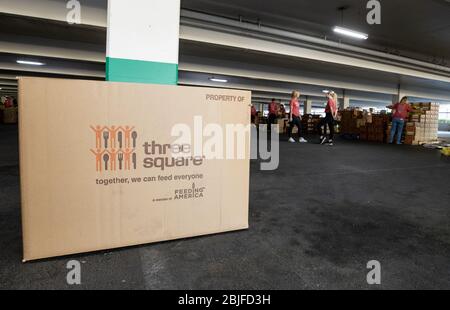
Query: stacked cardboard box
point(409, 133)
point(375, 128)
point(351, 121)
point(423, 124)
point(282, 124)
point(368, 126)
point(310, 123)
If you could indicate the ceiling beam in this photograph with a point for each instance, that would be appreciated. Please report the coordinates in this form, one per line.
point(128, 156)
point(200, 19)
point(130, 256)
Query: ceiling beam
point(272, 73)
point(41, 47)
point(94, 13)
point(256, 44)
point(8, 82)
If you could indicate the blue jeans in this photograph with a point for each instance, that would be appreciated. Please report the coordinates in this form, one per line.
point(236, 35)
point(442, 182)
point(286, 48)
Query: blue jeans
point(397, 127)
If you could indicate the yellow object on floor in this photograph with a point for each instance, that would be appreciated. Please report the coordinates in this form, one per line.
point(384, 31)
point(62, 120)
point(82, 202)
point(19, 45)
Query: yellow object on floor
point(446, 151)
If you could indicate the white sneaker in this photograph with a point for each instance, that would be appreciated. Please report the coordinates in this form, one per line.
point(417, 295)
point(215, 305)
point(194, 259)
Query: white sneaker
point(303, 140)
point(291, 140)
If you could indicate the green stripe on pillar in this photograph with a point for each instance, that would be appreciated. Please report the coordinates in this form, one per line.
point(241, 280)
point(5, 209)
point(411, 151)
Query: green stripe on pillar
point(139, 71)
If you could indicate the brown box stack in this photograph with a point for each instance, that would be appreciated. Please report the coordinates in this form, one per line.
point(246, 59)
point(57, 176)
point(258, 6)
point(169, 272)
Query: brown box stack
point(376, 130)
point(310, 123)
point(351, 121)
point(423, 125)
point(368, 126)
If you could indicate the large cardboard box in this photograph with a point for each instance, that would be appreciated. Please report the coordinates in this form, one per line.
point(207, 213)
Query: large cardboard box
point(281, 125)
point(98, 168)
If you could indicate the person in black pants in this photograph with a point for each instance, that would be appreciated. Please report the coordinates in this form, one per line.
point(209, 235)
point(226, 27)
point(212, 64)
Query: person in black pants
point(272, 119)
point(294, 118)
point(330, 116)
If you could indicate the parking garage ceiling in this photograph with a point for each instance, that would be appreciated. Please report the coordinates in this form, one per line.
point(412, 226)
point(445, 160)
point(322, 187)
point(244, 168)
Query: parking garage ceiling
point(413, 28)
point(37, 30)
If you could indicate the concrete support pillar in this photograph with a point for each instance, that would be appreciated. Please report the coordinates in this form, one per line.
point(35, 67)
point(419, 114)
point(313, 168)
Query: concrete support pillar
point(143, 41)
point(308, 106)
point(400, 94)
point(395, 99)
point(344, 103)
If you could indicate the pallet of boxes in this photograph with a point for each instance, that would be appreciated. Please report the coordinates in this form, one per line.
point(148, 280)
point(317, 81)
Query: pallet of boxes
point(310, 123)
point(351, 121)
point(366, 125)
point(375, 126)
point(282, 125)
point(423, 123)
point(372, 127)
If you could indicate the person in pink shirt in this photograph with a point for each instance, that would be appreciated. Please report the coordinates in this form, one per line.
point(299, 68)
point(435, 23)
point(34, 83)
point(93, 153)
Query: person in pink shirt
point(8, 103)
point(253, 114)
point(330, 116)
point(399, 116)
point(294, 117)
point(273, 111)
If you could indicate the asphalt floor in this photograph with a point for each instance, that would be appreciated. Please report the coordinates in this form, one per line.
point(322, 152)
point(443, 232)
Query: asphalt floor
point(315, 223)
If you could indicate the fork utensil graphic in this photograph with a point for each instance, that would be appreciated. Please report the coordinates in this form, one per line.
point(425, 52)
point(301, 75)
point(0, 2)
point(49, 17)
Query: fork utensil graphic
point(134, 161)
point(120, 157)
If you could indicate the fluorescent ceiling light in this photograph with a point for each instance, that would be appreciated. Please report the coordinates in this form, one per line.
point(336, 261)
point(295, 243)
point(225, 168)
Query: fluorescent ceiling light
point(218, 80)
point(351, 33)
point(325, 91)
point(31, 63)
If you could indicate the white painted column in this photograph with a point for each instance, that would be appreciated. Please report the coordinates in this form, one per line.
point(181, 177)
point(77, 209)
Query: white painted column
point(400, 94)
point(308, 106)
point(344, 103)
point(143, 41)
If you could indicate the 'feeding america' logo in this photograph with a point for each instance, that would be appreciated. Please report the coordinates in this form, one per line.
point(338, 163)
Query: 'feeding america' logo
point(115, 148)
point(193, 192)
